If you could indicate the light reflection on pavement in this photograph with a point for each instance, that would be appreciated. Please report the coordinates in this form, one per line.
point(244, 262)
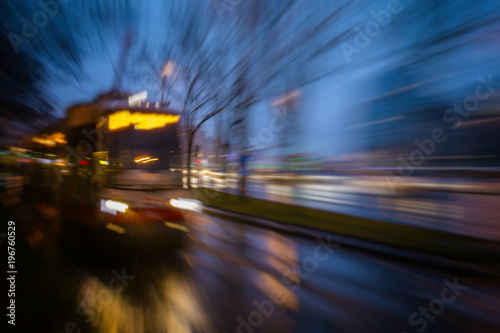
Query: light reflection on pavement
point(232, 277)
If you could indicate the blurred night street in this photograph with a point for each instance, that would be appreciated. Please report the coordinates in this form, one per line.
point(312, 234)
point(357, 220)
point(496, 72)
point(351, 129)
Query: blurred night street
point(250, 166)
point(227, 271)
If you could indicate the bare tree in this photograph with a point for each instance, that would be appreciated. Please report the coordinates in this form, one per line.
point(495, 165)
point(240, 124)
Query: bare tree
point(233, 63)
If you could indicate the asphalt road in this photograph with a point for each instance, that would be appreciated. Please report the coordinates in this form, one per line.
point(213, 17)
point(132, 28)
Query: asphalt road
point(231, 277)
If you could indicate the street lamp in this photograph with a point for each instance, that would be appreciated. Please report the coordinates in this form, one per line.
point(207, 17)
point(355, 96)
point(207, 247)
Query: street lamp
point(168, 69)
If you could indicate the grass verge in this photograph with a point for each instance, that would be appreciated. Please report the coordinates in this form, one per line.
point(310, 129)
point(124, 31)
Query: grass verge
point(458, 247)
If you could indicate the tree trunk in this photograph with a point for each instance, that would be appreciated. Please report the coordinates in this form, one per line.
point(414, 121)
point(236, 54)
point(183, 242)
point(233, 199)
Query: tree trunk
point(190, 148)
point(163, 85)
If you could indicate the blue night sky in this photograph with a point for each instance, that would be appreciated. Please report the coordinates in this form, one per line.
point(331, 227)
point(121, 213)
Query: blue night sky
point(332, 106)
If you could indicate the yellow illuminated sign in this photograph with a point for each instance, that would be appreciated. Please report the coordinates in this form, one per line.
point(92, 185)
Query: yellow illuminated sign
point(50, 140)
point(141, 121)
point(43, 141)
point(57, 137)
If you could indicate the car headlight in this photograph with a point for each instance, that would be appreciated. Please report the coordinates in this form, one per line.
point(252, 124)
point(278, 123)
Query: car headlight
point(112, 207)
point(187, 204)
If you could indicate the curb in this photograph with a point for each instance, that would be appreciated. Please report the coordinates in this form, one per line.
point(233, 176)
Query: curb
point(386, 250)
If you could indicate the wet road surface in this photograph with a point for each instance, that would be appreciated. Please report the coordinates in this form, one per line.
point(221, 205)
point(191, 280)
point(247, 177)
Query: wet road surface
point(231, 277)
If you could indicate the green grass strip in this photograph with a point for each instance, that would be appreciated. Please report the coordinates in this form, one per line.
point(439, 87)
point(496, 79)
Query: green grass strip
point(437, 242)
